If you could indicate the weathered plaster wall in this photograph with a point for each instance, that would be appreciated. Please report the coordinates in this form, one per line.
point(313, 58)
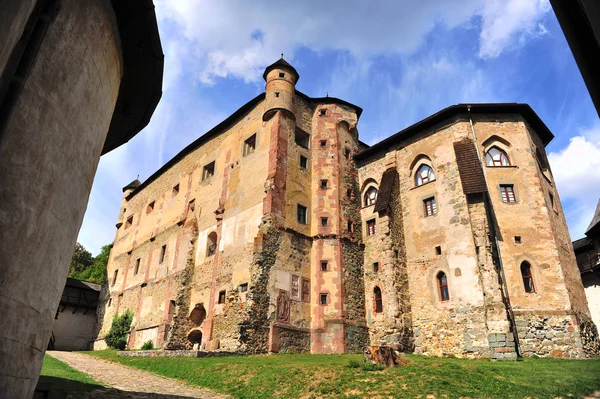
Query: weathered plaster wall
point(591, 282)
point(49, 152)
point(73, 329)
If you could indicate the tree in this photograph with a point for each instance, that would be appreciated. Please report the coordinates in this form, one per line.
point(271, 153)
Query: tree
point(84, 267)
point(81, 260)
point(117, 336)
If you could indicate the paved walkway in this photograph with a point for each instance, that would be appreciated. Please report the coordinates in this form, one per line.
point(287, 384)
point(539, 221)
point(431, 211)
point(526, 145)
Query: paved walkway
point(127, 382)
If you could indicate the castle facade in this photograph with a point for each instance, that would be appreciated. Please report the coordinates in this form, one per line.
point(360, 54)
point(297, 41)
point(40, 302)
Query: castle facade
point(280, 231)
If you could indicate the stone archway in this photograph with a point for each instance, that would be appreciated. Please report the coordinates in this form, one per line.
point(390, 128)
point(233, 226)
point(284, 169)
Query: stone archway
point(195, 337)
point(198, 315)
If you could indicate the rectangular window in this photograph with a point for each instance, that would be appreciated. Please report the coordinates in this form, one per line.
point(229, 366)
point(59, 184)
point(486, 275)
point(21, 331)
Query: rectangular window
point(276, 94)
point(175, 190)
point(347, 153)
point(430, 206)
point(507, 192)
point(301, 138)
point(517, 239)
point(323, 299)
point(324, 222)
point(301, 214)
point(350, 226)
point(137, 267)
point(322, 112)
point(222, 297)
point(150, 207)
point(281, 75)
point(324, 265)
point(208, 171)
point(163, 250)
point(375, 267)
point(371, 227)
point(323, 184)
point(303, 162)
point(244, 287)
point(552, 204)
point(323, 143)
point(115, 274)
point(129, 221)
point(438, 250)
point(250, 145)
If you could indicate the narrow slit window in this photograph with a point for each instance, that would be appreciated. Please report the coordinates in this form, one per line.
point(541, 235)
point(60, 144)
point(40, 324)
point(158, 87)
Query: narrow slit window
point(163, 251)
point(349, 193)
point(175, 190)
point(350, 226)
point(150, 207)
point(250, 145)
point(527, 277)
point(507, 193)
point(137, 267)
point(371, 227)
point(347, 153)
point(129, 221)
point(115, 274)
point(430, 206)
point(221, 297)
point(443, 286)
point(208, 171)
point(375, 267)
point(301, 214)
point(378, 300)
point(303, 162)
point(109, 302)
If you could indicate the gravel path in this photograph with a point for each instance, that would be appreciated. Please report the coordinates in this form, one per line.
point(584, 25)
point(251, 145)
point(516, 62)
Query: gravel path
point(127, 382)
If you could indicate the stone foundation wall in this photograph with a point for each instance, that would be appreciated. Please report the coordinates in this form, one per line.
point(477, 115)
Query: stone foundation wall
point(291, 340)
point(357, 337)
point(550, 335)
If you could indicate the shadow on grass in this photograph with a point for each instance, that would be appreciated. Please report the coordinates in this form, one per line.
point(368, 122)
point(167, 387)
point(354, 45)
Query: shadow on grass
point(62, 388)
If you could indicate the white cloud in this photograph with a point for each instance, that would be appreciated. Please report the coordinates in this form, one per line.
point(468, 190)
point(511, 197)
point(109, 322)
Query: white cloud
point(510, 23)
point(239, 38)
point(576, 170)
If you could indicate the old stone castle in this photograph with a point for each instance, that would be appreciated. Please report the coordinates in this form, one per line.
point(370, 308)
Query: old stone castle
point(278, 230)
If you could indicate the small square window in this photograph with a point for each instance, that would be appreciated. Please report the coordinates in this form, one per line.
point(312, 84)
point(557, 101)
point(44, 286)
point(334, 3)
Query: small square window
point(371, 227)
point(430, 206)
point(208, 171)
point(347, 153)
point(324, 265)
point(129, 221)
point(323, 183)
point(276, 94)
point(507, 192)
point(323, 143)
point(350, 226)
point(281, 75)
point(301, 138)
point(324, 222)
point(322, 112)
point(244, 287)
point(175, 190)
point(438, 250)
point(250, 145)
point(303, 162)
point(301, 214)
point(375, 267)
point(221, 296)
point(517, 239)
point(137, 267)
point(150, 207)
point(163, 250)
point(323, 299)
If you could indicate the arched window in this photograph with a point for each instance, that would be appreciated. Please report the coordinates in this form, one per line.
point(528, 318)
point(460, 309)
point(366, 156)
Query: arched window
point(424, 175)
point(370, 196)
point(378, 300)
point(443, 284)
point(496, 157)
point(527, 277)
point(211, 244)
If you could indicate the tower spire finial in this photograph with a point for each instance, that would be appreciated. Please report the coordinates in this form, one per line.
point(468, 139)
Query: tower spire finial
point(281, 55)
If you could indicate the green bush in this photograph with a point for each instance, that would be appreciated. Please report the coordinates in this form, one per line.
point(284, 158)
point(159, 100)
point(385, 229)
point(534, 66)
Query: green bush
point(148, 345)
point(354, 364)
point(368, 366)
point(117, 336)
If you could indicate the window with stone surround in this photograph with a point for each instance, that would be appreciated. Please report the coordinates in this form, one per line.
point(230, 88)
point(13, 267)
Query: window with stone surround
point(371, 227)
point(507, 193)
point(496, 157)
point(378, 300)
point(443, 286)
point(303, 162)
point(211, 244)
point(430, 206)
point(221, 297)
point(301, 214)
point(424, 175)
point(208, 171)
point(527, 277)
point(250, 145)
point(163, 251)
point(370, 196)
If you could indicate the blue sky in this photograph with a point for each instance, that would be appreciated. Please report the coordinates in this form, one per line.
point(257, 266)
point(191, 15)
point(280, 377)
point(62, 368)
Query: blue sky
point(401, 61)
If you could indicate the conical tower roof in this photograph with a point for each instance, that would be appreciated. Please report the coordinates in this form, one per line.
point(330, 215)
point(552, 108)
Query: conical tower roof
point(132, 186)
point(594, 227)
point(281, 64)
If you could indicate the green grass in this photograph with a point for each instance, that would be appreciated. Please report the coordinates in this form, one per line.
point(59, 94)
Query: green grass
point(337, 376)
point(59, 376)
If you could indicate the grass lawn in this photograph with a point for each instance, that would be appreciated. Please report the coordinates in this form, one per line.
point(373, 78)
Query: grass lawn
point(330, 376)
point(58, 376)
